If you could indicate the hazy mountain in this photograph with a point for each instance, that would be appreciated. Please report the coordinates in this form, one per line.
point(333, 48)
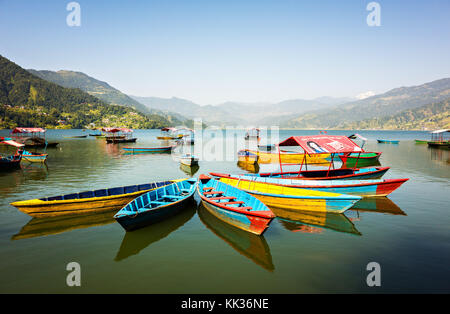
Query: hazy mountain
point(240, 113)
point(382, 105)
point(28, 100)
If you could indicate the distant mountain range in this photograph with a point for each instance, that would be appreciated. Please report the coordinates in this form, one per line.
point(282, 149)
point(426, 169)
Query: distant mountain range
point(414, 107)
point(239, 113)
point(28, 100)
point(393, 102)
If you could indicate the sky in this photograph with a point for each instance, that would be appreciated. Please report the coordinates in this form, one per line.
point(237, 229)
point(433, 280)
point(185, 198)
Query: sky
point(249, 51)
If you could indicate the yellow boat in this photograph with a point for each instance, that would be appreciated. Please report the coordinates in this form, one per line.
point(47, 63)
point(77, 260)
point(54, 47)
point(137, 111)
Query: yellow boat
point(87, 202)
point(290, 157)
point(294, 198)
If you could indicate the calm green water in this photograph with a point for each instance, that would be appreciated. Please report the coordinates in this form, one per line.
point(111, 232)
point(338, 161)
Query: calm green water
point(408, 235)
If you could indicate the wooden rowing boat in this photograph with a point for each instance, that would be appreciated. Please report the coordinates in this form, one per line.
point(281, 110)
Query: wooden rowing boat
point(295, 198)
point(34, 156)
point(164, 149)
point(360, 160)
point(234, 206)
point(438, 144)
point(156, 205)
point(323, 174)
point(76, 136)
point(388, 141)
point(87, 202)
point(364, 188)
point(421, 141)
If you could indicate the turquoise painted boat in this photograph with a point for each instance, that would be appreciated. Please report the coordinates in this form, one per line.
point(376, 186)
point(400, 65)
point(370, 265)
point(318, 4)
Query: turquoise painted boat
point(34, 156)
point(156, 205)
point(234, 206)
point(388, 141)
point(364, 188)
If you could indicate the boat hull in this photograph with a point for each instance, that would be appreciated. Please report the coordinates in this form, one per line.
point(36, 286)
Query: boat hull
point(35, 157)
point(49, 208)
point(234, 206)
point(387, 142)
point(10, 164)
point(333, 174)
point(120, 140)
point(363, 188)
point(148, 150)
point(296, 198)
point(363, 160)
point(144, 219)
point(253, 224)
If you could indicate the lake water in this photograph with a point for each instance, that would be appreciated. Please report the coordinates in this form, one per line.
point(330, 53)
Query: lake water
point(408, 234)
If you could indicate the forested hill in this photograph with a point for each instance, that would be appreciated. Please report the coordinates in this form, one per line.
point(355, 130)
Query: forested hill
point(27, 100)
point(431, 117)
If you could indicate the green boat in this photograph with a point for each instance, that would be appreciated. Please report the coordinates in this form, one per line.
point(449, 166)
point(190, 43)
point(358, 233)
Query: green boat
point(365, 159)
point(421, 141)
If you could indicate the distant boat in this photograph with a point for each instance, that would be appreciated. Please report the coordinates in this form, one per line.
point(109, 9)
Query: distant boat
point(76, 136)
point(189, 160)
point(12, 161)
point(156, 205)
point(421, 141)
point(388, 141)
point(32, 137)
point(164, 149)
point(34, 156)
point(169, 134)
point(119, 135)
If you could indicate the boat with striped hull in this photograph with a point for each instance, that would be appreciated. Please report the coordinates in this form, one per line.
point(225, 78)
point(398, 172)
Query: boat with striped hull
point(234, 206)
point(364, 188)
point(295, 198)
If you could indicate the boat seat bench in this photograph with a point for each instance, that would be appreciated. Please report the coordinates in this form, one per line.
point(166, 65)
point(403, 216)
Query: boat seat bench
point(222, 198)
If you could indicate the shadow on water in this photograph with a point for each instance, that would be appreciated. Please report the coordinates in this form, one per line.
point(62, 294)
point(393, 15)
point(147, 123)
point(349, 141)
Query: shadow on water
point(248, 244)
point(381, 205)
point(249, 167)
point(135, 241)
point(39, 227)
point(314, 222)
point(189, 170)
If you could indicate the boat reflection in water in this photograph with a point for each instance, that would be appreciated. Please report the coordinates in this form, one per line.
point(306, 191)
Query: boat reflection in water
point(134, 242)
point(246, 243)
point(38, 227)
point(381, 205)
point(314, 222)
point(189, 170)
point(249, 167)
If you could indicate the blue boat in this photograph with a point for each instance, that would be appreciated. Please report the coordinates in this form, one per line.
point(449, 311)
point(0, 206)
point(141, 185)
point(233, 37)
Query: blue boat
point(388, 142)
point(234, 206)
point(156, 205)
